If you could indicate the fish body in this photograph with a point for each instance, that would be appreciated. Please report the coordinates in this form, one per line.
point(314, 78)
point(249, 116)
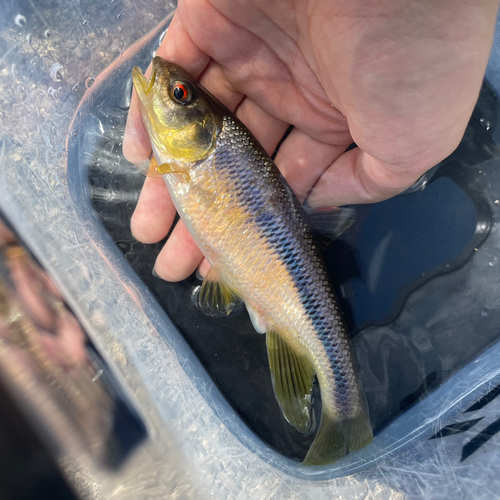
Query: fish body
point(254, 233)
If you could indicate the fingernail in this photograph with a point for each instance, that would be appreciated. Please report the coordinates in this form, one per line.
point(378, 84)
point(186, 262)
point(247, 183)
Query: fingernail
point(155, 274)
point(199, 276)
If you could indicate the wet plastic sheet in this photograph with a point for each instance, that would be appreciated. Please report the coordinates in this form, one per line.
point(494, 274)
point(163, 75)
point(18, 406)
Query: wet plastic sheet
point(393, 250)
point(48, 59)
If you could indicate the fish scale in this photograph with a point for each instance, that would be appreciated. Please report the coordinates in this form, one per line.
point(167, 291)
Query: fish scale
point(253, 231)
point(237, 167)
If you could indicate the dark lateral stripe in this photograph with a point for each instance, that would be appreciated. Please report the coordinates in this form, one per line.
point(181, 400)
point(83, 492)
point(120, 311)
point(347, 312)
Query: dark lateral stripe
point(482, 438)
point(451, 430)
point(281, 221)
point(487, 398)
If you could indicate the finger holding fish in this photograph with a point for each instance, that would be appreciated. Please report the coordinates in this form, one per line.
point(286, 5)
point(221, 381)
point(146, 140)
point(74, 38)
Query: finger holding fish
point(176, 46)
point(402, 123)
point(267, 129)
point(150, 224)
point(234, 204)
point(303, 160)
point(180, 47)
point(155, 212)
point(179, 257)
point(331, 77)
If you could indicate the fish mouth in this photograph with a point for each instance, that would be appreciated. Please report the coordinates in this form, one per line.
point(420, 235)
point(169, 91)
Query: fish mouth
point(142, 85)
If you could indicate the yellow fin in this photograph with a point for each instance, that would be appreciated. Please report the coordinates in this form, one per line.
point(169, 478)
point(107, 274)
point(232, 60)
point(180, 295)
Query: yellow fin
point(337, 437)
point(216, 297)
point(166, 168)
point(293, 377)
point(153, 168)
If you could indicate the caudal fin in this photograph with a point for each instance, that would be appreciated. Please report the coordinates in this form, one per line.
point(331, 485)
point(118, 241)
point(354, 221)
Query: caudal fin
point(338, 437)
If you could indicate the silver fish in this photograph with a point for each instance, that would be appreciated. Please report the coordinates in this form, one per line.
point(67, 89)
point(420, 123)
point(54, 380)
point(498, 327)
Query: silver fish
point(253, 231)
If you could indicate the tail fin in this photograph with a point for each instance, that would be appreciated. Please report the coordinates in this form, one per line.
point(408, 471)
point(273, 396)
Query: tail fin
point(338, 437)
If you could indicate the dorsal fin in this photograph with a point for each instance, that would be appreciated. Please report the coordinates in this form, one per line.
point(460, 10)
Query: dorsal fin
point(329, 222)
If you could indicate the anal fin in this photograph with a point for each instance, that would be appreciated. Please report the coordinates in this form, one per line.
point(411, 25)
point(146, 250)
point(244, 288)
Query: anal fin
point(293, 377)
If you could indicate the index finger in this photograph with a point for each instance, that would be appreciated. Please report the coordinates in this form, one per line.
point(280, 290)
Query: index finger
point(177, 47)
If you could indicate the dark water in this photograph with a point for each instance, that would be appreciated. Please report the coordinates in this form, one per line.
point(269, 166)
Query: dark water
point(381, 268)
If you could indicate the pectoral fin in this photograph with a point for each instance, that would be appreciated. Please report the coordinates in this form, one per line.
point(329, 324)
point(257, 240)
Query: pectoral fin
point(293, 377)
point(148, 168)
point(155, 170)
point(216, 297)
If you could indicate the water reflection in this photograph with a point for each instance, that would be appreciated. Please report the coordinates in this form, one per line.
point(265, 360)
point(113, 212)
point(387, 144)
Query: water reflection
point(404, 274)
point(52, 369)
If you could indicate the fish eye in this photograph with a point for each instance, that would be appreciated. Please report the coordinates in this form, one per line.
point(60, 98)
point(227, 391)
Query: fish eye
point(181, 93)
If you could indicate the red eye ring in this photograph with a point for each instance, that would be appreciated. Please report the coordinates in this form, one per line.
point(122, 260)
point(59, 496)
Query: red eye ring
point(180, 93)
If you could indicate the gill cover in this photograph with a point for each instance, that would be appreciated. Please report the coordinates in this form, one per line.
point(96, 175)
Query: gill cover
point(181, 118)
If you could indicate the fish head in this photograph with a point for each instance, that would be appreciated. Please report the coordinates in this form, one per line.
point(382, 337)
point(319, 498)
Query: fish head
point(181, 119)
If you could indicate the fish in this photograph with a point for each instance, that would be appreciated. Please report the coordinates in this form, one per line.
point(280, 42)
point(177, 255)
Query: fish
point(254, 232)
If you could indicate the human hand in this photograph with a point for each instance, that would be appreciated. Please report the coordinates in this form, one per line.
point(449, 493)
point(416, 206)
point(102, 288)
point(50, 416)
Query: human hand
point(399, 78)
